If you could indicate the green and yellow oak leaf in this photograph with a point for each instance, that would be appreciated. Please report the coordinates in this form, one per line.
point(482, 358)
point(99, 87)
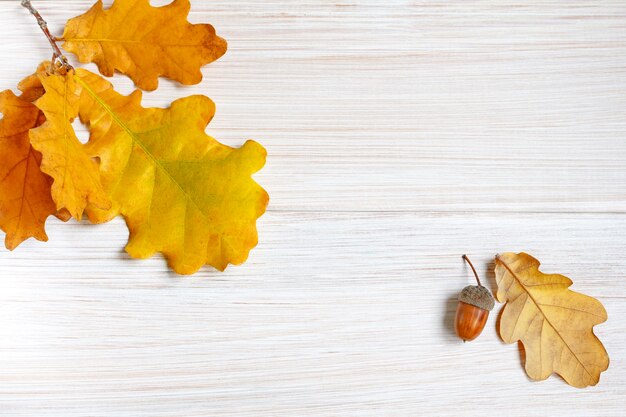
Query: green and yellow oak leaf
point(25, 196)
point(64, 158)
point(554, 324)
point(181, 192)
point(143, 42)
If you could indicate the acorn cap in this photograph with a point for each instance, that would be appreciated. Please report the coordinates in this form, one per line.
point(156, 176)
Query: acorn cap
point(478, 296)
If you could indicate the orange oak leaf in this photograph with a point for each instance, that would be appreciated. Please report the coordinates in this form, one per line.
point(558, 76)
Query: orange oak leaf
point(75, 174)
point(181, 192)
point(32, 89)
point(25, 198)
point(144, 42)
point(554, 323)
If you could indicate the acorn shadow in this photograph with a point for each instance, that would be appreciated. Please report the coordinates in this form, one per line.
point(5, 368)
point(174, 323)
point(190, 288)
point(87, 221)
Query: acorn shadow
point(448, 317)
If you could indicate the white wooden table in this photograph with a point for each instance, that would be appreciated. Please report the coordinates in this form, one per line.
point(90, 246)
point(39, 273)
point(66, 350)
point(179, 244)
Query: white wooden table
point(401, 135)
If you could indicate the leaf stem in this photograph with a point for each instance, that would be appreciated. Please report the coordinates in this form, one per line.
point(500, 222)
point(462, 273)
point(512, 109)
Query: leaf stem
point(473, 269)
point(44, 27)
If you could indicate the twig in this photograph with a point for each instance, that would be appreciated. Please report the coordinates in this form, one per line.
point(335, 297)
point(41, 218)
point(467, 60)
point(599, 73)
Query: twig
point(473, 269)
point(44, 27)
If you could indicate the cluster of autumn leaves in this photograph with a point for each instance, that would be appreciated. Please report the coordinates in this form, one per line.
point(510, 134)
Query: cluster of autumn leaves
point(181, 192)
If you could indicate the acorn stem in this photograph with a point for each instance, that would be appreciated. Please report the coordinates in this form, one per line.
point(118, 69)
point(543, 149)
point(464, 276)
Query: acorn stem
point(473, 269)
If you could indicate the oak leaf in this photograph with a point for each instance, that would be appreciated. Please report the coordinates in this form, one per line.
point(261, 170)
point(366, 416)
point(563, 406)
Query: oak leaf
point(144, 42)
point(181, 192)
point(76, 175)
point(31, 86)
point(554, 323)
point(25, 200)
point(25, 196)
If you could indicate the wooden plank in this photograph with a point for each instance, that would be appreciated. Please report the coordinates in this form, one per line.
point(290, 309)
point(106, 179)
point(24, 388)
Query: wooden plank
point(404, 106)
point(334, 314)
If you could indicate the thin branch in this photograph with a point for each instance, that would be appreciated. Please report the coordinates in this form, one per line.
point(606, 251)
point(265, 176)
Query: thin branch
point(58, 55)
point(473, 270)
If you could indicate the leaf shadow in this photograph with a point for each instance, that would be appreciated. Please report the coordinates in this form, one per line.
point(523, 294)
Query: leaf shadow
point(520, 345)
point(498, 320)
point(490, 275)
point(522, 355)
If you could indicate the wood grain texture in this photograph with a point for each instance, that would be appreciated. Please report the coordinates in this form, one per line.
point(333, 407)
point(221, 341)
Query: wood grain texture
point(401, 134)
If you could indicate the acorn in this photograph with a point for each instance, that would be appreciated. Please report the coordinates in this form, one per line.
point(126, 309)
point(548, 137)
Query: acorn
point(475, 303)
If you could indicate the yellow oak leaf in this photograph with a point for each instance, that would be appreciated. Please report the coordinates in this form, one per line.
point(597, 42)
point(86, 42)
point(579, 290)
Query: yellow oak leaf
point(25, 198)
point(554, 324)
point(143, 42)
point(76, 175)
point(31, 86)
point(181, 192)
point(32, 89)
